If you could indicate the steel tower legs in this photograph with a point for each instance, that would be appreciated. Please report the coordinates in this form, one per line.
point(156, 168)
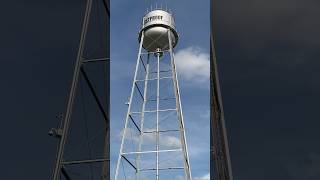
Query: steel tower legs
point(180, 115)
point(129, 109)
point(142, 116)
point(158, 152)
point(158, 100)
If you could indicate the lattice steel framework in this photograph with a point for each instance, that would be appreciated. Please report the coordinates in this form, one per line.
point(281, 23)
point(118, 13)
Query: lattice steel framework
point(63, 165)
point(153, 144)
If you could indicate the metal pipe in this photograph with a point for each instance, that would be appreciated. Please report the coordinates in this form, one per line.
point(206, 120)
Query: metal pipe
point(157, 131)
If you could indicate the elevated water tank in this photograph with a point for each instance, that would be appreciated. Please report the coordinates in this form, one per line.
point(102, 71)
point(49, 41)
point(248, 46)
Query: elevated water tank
point(155, 26)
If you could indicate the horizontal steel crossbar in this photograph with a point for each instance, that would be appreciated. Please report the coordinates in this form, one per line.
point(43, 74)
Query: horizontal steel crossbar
point(162, 99)
point(84, 161)
point(95, 60)
point(171, 130)
point(147, 152)
point(152, 79)
point(152, 111)
point(160, 71)
point(153, 52)
point(168, 168)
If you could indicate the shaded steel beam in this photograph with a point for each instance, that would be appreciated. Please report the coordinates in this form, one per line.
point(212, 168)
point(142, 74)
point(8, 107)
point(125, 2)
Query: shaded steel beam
point(220, 163)
point(106, 7)
point(75, 79)
point(84, 161)
point(104, 114)
point(129, 162)
point(95, 60)
point(135, 124)
point(144, 66)
point(65, 174)
point(139, 90)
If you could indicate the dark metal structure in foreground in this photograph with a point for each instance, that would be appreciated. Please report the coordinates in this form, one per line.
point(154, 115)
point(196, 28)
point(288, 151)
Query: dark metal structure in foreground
point(220, 164)
point(70, 168)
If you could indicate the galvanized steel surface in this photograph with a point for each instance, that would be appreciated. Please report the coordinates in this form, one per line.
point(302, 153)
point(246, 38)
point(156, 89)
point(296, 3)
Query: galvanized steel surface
point(155, 25)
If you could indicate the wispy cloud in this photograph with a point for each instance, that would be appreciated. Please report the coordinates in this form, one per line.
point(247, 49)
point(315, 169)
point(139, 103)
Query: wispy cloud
point(193, 64)
point(166, 140)
point(204, 177)
point(179, 178)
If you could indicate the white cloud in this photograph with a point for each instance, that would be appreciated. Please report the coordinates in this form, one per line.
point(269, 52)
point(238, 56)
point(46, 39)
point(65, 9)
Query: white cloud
point(171, 141)
point(205, 177)
point(129, 134)
point(179, 178)
point(193, 64)
point(166, 140)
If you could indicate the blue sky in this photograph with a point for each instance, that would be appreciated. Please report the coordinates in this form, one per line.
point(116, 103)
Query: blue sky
point(192, 57)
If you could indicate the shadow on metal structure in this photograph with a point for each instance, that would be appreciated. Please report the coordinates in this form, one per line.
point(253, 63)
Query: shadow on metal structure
point(220, 163)
point(70, 164)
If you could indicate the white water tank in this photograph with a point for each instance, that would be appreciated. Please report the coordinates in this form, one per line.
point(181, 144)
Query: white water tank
point(155, 26)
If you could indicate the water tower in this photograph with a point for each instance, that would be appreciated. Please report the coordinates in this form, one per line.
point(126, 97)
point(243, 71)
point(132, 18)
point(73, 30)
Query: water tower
point(153, 144)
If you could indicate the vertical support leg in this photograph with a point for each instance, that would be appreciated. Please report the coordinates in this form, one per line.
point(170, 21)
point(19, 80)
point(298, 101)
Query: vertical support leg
point(106, 164)
point(129, 109)
point(157, 131)
point(142, 117)
point(179, 112)
point(57, 169)
point(218, 132)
